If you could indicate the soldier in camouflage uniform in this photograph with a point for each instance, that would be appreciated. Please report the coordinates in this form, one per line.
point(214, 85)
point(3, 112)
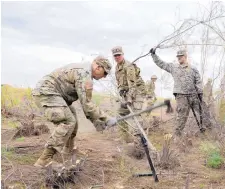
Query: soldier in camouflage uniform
point(207, 92)
point(187, 89)
point(150, 87)
point(56, 92)
point(131, 88)
point(150, 97)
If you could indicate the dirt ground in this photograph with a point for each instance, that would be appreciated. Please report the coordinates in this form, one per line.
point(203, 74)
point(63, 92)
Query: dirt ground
point(109, 165)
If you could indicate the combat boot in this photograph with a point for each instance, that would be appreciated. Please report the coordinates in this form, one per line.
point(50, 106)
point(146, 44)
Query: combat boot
point(45, 158)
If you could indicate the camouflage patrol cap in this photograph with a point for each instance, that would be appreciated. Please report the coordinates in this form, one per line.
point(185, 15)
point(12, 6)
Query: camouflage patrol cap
point(104, 62)
point(117, 50)
point(210, 80)
point(154, 77)
point(181, 53)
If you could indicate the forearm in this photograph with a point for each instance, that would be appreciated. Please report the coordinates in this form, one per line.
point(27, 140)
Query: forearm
point(163, 65)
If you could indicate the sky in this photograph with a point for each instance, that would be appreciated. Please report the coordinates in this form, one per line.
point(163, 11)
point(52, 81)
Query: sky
point(38, 37)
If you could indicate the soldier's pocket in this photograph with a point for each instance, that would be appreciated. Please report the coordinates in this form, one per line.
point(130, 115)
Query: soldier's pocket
point(55, 114)
point(61, 130)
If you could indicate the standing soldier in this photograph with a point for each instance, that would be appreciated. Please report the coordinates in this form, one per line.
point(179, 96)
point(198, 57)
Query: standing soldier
point(150, 87)
point(150, 97)
point(207, 92)
point(56, 92)
point(187, 90)
point(208, 97)
point(131, 88)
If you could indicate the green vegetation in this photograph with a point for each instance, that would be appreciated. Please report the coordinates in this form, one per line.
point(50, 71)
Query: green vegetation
point(21, 139)
point(11, 155)
point(213, 155)
point(12, 96)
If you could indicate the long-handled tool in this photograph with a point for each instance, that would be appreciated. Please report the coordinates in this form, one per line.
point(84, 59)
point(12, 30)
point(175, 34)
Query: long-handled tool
point(200, 112)
point(100, 125)
point(149, 109)
point(144, 138)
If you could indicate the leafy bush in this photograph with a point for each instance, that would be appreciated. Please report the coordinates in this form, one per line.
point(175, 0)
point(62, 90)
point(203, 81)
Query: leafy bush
point(16, 101)
point(215, 160)
point(11, 96)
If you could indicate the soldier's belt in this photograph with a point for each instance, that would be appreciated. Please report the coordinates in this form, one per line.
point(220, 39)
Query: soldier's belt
point(186, 95)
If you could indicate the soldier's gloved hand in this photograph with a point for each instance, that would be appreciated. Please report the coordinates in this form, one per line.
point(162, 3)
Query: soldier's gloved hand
point(122, 93)
point(152, 50)
point(111, 122)
point(200, 96)
point(123, 105)
point(129, 100)
point(129, 103)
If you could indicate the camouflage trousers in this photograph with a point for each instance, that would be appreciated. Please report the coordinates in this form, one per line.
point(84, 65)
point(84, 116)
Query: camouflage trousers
point(183, 109)
point(64, 119)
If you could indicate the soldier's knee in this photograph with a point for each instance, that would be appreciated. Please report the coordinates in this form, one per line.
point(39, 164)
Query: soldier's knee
point(55, 114)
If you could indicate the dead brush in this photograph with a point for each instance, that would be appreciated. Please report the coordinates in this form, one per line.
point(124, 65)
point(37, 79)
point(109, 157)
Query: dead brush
point(168, 159)
point(185, 142)
point(28, 128)
point(219, 135)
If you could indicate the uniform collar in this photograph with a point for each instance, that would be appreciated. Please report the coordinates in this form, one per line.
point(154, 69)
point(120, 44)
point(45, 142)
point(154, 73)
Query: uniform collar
point(121, 64)
point(184, 65)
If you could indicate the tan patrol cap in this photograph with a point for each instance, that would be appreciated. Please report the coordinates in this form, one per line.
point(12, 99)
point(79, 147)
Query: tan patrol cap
point(181, 53)
point(210, 80)
point(154, 77)
point(117, 50)
point(104, 62)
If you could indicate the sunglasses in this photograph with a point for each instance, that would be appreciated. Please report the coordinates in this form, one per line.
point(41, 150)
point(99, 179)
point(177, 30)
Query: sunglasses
point(117, 55)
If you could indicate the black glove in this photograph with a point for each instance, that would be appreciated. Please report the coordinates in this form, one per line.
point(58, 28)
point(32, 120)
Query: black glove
point(200, 97)
point(124, 104)
point(152, 50)
point(123, 93)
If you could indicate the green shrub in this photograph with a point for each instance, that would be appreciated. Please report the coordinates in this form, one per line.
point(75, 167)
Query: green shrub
point(215, 160)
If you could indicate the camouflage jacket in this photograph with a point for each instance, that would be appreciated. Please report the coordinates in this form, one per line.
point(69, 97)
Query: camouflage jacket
point(150, 88)
point(187, 79)
point(71, 82)
point(129, 79)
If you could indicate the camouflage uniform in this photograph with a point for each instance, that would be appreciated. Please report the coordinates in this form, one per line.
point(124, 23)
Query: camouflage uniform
point(150, 88)
point(150, 98)
point(57, 91)
point(187, 87)
point(129, 80)
point(222, 101)
point(207, 92)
